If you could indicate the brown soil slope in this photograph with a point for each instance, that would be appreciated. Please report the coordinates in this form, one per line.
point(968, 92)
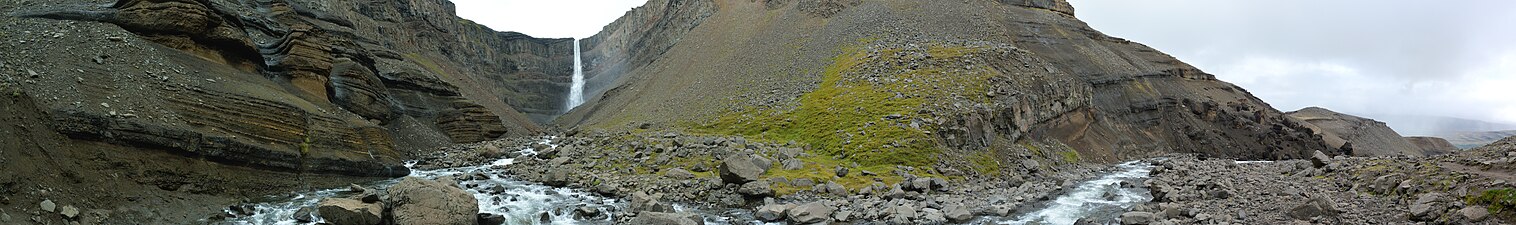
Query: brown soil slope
point(872, 80)
point(1359, 136)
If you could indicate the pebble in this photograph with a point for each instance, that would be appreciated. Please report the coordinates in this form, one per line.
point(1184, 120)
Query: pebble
point(70, 212)
point(49, 206)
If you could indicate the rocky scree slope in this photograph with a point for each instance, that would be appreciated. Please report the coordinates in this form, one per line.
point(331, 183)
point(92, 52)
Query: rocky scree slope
point(1360, 136)
point(1468, 187)
point(969, 86)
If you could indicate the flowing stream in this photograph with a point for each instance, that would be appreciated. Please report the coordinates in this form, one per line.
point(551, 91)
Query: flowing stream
point(1101, 199)
point(576, 91)
point(523, 202)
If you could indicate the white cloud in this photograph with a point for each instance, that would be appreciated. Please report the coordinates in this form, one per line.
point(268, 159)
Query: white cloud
point(1449, 59)
point(546, 18)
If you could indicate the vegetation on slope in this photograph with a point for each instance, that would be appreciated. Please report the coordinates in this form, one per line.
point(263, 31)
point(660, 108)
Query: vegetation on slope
point(864, 109)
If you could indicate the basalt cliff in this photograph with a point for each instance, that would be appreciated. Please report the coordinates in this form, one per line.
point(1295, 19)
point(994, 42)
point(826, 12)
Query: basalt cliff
point(151, 110)
point(905, 82)
point(246, 98)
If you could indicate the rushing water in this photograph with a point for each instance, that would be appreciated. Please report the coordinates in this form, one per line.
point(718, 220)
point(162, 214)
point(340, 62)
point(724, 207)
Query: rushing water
point(523, 202)
point(576, 91)
point(1102, 199)
point(520, 202)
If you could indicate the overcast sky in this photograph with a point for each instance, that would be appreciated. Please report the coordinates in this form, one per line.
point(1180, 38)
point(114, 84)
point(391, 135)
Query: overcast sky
point(546, 18)
point(1438, 58)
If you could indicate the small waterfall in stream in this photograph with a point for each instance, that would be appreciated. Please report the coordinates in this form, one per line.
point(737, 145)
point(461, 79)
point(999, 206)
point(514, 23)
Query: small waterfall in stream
point(576, 91)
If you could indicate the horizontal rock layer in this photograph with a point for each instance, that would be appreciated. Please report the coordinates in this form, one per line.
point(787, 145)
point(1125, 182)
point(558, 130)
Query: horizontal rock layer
point(303, 86)
point(1105, 97)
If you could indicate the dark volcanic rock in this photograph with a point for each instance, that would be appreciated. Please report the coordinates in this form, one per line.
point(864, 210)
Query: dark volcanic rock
point(300, 86)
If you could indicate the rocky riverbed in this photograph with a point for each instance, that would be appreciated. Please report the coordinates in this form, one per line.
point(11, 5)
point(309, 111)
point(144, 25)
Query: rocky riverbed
point(561, 180)
point(1470, 187)
point(569, 180)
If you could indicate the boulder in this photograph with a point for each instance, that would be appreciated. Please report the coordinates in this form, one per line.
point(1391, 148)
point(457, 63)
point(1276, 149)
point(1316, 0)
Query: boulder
point(658, 218)
point(841, 171)
point(1137, 218)
point(740, 169)
point(1474, 213)
point(902, 212)
point(756, 188)
point(932, 216)
point(305, 214)
point(895, 192)
point(958, 213)
point(771, 212)
point(344, 211)
point(833, 188)
point(678, 173)
point(808, 213)
point(69, 212)
point(49, 206)
point(643, 202)
point(1428, 206)
point(1316, 206)
point(1319, 159)
point(491, 219)
point(1031, 165)
point(420, 201)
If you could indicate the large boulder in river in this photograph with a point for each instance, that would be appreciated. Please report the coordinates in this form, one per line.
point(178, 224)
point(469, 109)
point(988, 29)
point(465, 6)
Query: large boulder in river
point(658, 218)
point(420, 201)
point(740, 169)
point(345, 211)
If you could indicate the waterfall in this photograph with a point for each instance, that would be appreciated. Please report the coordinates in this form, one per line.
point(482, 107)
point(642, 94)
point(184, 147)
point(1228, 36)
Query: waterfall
point(576, 92)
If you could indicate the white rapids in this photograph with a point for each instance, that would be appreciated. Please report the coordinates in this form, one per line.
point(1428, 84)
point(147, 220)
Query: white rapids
point(1090, 198)
point(521, 202)
point(576, 90)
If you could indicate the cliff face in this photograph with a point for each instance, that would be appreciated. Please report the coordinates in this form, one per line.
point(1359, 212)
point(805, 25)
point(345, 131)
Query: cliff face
point(930, 79)
point(348, 87)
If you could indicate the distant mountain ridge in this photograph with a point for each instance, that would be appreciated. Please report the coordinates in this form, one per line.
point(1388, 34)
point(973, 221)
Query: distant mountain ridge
point(1437, 125)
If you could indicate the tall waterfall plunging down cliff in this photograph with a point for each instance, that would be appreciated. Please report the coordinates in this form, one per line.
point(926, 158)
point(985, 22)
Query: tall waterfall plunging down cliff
point(576, 92)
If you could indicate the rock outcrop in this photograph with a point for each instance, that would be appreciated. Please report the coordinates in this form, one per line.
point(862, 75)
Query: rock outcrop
point(420, 201)
point(1355, 135)
point(876, 81)
point(299, 86)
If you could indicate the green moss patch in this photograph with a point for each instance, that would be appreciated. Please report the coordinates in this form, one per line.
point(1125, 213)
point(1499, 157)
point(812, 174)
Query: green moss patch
point(862, 112)
point(1498, 200)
